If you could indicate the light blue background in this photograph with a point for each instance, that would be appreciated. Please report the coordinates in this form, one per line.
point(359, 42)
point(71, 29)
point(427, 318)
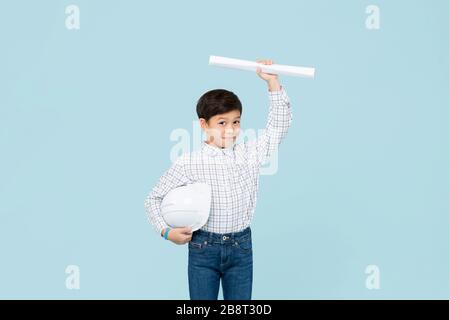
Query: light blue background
point(85, 119)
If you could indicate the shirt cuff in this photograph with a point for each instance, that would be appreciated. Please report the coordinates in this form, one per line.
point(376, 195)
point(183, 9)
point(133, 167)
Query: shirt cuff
point(161, 227)
point(278, 96)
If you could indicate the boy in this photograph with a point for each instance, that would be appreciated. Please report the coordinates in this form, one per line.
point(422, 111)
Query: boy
point(222, 248)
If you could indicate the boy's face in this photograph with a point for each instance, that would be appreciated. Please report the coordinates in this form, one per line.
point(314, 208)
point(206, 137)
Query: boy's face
point(222, 129)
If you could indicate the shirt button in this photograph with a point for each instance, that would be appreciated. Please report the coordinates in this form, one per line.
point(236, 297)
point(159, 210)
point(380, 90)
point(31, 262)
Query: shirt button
point(224, 237)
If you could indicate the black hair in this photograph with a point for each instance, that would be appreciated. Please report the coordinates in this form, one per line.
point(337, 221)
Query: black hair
point(217, 101)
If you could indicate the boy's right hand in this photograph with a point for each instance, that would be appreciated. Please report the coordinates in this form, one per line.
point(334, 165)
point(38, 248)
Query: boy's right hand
point(179, 235)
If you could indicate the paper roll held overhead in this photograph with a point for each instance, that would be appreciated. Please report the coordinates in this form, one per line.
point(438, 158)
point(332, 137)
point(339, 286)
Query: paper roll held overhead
point(252, 66)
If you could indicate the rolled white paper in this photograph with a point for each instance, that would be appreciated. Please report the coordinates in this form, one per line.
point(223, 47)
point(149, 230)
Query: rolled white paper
point(252, 66)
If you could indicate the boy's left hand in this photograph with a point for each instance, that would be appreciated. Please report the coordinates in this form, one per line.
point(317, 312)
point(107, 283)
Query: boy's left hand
point(266, 76)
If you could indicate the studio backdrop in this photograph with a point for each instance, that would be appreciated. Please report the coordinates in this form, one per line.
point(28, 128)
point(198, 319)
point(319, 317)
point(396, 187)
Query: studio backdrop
point(97, 99)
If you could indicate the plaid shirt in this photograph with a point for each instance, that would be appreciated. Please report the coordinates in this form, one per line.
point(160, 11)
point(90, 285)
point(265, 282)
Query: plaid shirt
point(232, 173)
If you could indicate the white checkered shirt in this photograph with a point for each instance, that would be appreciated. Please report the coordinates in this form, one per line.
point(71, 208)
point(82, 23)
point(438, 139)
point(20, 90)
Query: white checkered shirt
point(232, 173)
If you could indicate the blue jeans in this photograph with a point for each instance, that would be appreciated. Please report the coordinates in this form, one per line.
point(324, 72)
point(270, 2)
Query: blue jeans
point(215, 256)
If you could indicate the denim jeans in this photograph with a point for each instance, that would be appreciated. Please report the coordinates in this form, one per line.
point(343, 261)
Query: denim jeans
point(214, 256)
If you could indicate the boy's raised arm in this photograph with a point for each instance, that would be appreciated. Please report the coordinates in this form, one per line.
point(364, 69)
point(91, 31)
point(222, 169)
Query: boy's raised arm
point(279, 117)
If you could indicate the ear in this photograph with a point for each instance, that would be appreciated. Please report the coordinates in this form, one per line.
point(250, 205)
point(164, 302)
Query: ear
point(203, 123)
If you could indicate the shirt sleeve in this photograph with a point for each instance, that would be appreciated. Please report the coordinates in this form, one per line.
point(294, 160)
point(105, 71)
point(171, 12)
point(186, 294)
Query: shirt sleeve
point(174, 177)
point(278, 122)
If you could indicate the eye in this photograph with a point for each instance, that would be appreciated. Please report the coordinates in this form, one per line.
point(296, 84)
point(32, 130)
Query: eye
point(221, 123)
point(237, 122)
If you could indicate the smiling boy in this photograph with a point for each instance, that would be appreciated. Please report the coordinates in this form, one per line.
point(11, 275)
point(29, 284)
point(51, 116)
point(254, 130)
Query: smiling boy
point(222, 248)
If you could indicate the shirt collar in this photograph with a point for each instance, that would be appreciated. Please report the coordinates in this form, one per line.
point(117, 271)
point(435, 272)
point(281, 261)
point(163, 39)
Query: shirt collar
point(213, 150)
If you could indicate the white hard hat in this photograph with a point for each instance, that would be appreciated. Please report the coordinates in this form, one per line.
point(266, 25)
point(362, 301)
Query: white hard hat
point(187, 205)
